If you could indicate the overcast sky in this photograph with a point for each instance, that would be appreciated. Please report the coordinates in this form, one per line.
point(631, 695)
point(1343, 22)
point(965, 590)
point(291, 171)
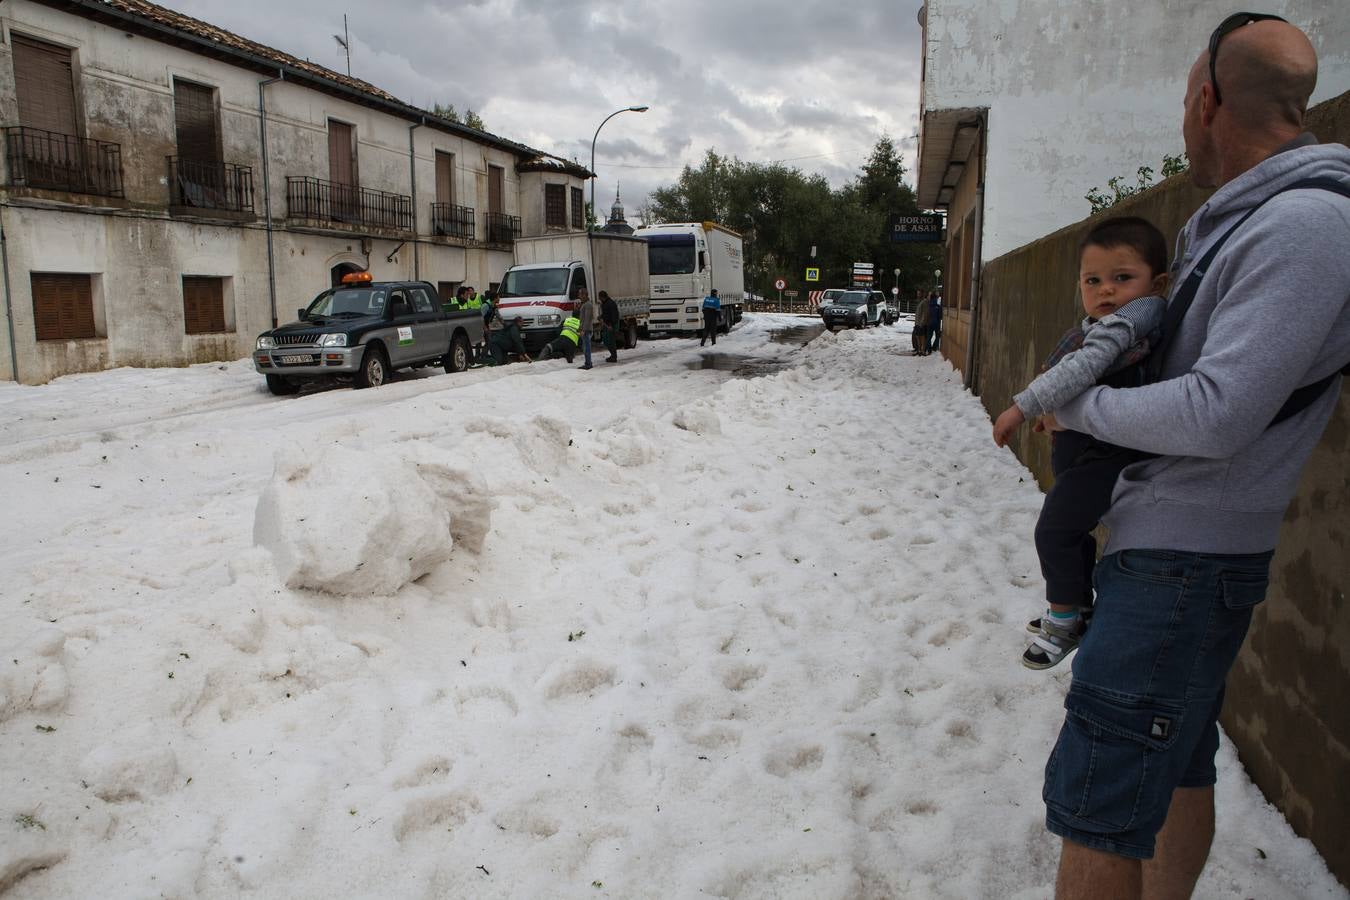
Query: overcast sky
point(813, 83)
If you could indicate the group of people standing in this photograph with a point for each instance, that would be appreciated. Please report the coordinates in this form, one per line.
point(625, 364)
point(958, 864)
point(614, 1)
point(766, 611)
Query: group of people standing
point(927, 325)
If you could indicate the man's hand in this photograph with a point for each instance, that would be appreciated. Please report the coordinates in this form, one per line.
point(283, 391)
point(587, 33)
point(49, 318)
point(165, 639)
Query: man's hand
point(1047, 423)
point(1008, 421)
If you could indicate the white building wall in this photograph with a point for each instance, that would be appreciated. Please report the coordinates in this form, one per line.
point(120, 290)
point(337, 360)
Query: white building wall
point(1079, 92)
point(138, 253)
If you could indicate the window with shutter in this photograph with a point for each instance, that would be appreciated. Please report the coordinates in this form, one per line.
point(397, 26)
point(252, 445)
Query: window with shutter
point(196, 124)
point(45, 85)
point(445, 177)
point(63, 306)
point(578, 208)
point(203, 304)
point(496, 189)
point(555, 206)
point(341, 153)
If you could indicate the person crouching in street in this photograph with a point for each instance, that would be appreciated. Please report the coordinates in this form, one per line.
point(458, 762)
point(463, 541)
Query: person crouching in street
point(504, 338)
point(565, 344)
point(712, 314)
point(609, 326)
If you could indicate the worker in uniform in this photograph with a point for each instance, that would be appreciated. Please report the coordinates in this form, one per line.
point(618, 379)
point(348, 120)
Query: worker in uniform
point(566, 342)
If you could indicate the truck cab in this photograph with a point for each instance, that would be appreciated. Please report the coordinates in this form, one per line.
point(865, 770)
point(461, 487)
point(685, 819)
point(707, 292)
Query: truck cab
point(542, 295)
point(687, 262)
point(543, 287)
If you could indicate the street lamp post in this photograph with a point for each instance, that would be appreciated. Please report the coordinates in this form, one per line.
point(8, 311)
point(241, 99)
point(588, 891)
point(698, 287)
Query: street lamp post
point(637, 109)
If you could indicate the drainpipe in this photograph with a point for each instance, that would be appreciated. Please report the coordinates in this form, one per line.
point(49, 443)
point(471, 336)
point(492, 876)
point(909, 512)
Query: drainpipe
point(267, 193)
point(412, 172)
point(9, 308)
point(977, 269)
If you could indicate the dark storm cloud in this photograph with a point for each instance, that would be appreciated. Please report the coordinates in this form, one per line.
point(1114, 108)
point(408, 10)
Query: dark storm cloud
point(814, 82)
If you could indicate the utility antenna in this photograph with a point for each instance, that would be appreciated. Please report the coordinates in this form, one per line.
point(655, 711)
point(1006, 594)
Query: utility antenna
point(344, 41)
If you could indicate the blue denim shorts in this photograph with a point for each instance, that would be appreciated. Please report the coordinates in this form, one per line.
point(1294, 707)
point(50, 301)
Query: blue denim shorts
point(1148, 680)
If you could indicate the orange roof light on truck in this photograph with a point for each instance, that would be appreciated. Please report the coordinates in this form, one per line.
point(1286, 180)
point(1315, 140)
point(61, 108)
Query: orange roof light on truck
point(357, 278)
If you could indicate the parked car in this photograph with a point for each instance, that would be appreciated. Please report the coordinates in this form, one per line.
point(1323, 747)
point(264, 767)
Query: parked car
point(364, 330)
point(855, 309)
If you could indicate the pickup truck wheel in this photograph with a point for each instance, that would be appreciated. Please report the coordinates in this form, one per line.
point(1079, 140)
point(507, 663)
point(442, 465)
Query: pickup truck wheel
point(281, 386)
point(374, 369)
point(457, 357)
point(630, 336)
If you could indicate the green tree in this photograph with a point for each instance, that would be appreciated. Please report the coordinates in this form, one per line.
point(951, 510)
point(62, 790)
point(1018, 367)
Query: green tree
point(446, 111)
point(473, 120)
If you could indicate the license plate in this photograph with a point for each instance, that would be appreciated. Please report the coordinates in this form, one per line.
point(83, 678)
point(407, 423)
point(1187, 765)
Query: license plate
point(296, 360)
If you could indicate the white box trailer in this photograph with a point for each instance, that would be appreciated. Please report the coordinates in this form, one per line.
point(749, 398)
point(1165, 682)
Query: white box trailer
point(688, 261)
point(541, 288)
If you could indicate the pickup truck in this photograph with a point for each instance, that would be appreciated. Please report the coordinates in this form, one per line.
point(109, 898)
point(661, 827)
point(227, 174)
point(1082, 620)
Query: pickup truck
point(363, 331)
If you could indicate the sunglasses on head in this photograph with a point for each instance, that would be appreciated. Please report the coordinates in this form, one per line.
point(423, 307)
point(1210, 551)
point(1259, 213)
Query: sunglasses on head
point(1227, 27)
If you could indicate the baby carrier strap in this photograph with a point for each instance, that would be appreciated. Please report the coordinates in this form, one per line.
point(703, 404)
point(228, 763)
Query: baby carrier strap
point(1181, 301)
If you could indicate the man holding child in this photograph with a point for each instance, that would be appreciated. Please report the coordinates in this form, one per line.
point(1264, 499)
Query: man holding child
point(1237, 390)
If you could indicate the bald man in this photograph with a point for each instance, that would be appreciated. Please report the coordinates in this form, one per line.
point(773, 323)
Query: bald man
point(1130, 783)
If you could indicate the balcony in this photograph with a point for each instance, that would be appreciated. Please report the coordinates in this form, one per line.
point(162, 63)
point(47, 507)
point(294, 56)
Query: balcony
point(197, 186)
point(63, 162)
point(448, 220)
point(328, 203)
point(501, 228)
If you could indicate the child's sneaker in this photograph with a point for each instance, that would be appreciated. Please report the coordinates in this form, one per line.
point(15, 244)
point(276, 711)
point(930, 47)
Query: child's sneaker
point(1053, 643)
point(1034, 626)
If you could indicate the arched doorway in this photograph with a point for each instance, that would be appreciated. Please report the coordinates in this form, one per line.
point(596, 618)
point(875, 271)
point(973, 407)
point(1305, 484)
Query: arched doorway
point(344, 268)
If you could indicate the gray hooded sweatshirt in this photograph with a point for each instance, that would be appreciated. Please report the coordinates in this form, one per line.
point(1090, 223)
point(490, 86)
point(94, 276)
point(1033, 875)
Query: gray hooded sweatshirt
point(1272, 314)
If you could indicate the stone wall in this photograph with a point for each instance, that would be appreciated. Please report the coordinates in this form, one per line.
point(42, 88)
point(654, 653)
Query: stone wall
point(1286, 697)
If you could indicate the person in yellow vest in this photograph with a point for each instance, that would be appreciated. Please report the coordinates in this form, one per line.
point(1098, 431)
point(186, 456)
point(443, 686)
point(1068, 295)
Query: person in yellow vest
point(474, 300)
point(566, 342)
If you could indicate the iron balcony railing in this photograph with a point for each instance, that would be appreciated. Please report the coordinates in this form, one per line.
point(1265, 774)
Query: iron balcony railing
point(328, 201)
point(452, 221)
point(63, 162)
point(210, 185)
point(501, 228)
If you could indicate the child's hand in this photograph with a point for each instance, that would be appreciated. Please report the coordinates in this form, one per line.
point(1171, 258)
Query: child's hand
point(1008, 421)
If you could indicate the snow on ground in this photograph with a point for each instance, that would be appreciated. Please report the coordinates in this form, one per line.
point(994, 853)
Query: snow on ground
point(738, 626)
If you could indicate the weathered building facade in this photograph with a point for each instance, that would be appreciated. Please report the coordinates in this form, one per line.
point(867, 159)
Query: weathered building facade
point(1026, 107)
point(170, 189)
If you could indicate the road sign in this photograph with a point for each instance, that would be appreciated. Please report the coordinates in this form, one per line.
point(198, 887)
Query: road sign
point(789, 293)
point(779, 284)
point(863, 267)
point(915, 229)
point(812, 274)
point(863, 276)
point(895, 291)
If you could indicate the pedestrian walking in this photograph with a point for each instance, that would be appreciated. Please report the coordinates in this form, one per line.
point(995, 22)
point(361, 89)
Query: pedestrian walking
point(712, 315)
point(922, 314)
point(934, 321)
point(1231, 417)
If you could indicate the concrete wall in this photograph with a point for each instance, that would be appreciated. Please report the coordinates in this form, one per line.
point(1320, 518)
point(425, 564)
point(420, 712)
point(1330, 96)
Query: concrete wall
point(138, 253)
point(1080, 92)
point(1286, 695)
